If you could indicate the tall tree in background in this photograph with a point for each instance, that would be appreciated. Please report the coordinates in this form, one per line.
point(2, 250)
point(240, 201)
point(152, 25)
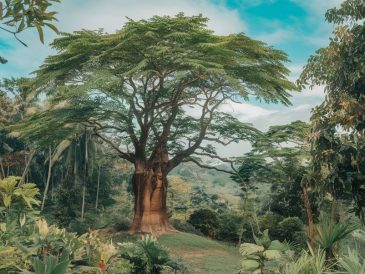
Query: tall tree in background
point(338, 143)
point(281, 157)
point(152, 91)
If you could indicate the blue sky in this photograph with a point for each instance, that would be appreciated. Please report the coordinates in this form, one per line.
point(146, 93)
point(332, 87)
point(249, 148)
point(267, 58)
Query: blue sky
point(294, 26)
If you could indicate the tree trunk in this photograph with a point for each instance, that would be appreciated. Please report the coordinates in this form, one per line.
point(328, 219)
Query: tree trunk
point(309, 216)
point(97, 189)
point(48, 179)
point(26, 169)
point(83, 202)
point(150, 211)
point(2, 172)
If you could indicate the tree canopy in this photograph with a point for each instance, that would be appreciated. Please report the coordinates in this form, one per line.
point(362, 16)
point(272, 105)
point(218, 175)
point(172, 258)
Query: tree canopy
point(338, 145)
point(159, 81)
point(153, 91)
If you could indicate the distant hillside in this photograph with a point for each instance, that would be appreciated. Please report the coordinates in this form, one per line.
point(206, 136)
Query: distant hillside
point(219, 183)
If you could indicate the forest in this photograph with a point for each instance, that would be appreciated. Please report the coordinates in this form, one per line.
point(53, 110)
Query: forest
point(116, 152)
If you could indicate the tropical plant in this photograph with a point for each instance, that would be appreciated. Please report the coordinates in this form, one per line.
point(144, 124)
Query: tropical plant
point(352, 263)
point(329, 234)
point(308, 263)
point(147, 256)
point(51, 264)
point(265, 255)
point(16, 204)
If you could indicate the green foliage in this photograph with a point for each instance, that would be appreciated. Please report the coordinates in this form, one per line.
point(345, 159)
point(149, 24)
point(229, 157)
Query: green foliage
point(206, 221)
point(339, 157)
point(148, 73)
point(308, 264)
point(23, 14)
point(18, 15)
point(329, 234)
point(51, 264)
point(291, 230)
point(147, 256)
point(15, 195)
point(185, 227)
point(230, 227)
point(265, 254)
point(270, 221)
point(353, 263)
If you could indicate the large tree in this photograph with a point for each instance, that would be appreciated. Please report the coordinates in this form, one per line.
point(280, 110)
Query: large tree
point(153, 92)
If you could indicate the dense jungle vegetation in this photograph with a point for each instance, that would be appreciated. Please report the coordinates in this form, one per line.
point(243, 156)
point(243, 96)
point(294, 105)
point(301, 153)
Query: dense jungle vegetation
point(109, 159)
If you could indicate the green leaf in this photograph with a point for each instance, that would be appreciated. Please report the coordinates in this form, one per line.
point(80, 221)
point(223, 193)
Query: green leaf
point(250, 265)
point(6, 200)
point(40, 32)
point(52, 27)
point(272, 254)
point(61, 268)
point(21, 26)
point(248, 249)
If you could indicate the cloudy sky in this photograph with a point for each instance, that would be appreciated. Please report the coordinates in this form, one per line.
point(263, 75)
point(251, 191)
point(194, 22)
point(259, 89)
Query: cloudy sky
point(294, 26)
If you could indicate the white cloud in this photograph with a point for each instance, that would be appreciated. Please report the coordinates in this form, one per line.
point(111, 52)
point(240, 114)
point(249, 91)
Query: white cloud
point(111, 14)
point(278, 36)
point(317, 7)
point(245, 111)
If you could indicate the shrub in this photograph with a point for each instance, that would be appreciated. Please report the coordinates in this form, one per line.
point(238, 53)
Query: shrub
point(231, 225)
point(122, 224)
point(270, 220)
point(185, 227)
point(265, 255)
point(148, 256)
point(289, 228)
point(206, 221)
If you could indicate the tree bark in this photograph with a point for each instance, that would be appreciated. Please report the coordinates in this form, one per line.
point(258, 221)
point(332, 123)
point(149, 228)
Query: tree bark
point(83, 202)
point(26, 169)
point(2, 172)
point(309, 217)
point(150, 211)
point(97, 189)
point(48, 179)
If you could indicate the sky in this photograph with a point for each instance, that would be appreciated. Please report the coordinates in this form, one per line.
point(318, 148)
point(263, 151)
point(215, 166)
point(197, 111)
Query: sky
point(297, 27)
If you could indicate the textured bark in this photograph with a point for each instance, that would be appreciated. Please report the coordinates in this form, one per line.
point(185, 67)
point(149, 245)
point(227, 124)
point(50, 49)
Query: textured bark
point(48, 179)
point(2, 172)
point(309, 216)
point(97, 189)
point(150, 211)
point(26, 169)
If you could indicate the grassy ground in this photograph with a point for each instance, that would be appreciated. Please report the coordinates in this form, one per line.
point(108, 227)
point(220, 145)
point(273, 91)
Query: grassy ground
point(203, 256)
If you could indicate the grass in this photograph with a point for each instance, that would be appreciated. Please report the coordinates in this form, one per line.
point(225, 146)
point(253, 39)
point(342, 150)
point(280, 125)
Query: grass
point(202, 255)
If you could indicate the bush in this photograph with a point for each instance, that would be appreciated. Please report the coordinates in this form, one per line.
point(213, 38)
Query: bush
point(185, 227)
point(270, 220)
point(206, 221)
point(231, 225)
point(148, 256)
point(289, 228)
point(122, 224)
